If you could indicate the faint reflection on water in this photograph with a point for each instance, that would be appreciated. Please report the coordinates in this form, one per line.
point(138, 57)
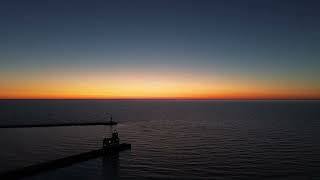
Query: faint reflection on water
point(110, 167)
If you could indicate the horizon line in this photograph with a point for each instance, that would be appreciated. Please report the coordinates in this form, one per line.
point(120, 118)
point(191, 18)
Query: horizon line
point(194, 99)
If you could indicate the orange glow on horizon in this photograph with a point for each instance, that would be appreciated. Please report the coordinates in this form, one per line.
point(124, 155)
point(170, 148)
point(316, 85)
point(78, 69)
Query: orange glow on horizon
point(147, 86)
point(135, 94)
point(234, 97)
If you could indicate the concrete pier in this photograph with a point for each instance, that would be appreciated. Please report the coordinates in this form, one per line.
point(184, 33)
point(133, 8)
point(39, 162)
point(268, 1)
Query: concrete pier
point(109, 123)
point(59, 163)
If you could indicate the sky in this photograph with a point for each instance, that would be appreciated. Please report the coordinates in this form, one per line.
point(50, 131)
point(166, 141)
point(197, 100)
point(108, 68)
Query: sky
point(188, 49)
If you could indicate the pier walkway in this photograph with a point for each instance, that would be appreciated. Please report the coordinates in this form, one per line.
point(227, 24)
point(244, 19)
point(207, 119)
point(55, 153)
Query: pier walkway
point(59, 163)
point(109, 123)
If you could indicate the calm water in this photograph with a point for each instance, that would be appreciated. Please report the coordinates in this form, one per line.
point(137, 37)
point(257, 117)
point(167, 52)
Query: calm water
point(170, 139)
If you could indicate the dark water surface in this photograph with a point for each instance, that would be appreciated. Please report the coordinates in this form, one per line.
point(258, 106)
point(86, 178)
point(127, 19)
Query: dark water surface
point(170, 139)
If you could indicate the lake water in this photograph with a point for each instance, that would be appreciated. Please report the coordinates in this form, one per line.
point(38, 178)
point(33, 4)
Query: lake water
point(170, 139)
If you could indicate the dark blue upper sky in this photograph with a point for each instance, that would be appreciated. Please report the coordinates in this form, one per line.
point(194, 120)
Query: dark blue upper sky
point(265, 39)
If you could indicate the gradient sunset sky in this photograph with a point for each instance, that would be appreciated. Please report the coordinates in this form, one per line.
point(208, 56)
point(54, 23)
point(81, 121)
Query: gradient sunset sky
point(198, 49)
